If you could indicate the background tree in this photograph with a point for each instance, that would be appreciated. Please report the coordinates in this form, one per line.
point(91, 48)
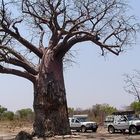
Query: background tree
point(2, 110)
point(35, 40)
point(96, 113)
point(132, 84)
point(25, 114)
point(5, 114)
point(99, 111)
point(108, 109)
point(70, 111)
point(136, 107)
point(8, 115)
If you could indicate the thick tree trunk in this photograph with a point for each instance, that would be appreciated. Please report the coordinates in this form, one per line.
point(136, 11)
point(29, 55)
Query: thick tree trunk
point(50, 105)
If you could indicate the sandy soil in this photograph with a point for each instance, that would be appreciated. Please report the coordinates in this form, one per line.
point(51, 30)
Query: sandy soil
point(8, 131)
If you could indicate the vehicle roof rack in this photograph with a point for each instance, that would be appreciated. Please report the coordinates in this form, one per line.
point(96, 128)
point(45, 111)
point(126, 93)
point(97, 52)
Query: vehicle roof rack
point(81, 115)
point(123, 113)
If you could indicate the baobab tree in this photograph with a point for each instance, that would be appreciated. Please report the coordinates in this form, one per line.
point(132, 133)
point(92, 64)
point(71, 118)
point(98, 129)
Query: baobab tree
point(46, 30)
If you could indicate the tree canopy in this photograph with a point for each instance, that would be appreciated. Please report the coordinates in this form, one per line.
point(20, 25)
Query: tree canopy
point(28, 27)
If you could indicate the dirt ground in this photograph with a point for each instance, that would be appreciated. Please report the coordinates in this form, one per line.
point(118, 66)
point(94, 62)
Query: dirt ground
point(8, 131)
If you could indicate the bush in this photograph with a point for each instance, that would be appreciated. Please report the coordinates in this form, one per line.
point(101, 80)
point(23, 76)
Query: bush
point(25, 114)
point(8, 115)
point(135, 106)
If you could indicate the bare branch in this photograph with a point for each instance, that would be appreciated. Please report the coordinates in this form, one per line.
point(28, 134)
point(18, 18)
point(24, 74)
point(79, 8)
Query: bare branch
point(14, 27)
point(5, 25)
point(18, 61)
point(17, 73)
point(23, 41)
point(102, 22)
point(132, 85)
point(65, 47)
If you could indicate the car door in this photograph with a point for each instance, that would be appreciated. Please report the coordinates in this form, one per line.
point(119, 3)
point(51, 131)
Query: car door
point(122, 123)
point(75, 124)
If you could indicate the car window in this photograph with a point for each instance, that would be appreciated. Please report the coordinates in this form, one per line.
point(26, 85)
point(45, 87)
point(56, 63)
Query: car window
point(82, 119)
point(76, 121)
point(122, 118)
point(72, 120)
point(109, 119)
point(132, 117)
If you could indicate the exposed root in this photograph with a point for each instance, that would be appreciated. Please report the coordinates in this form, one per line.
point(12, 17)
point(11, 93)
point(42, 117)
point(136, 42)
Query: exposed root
point(22, 135)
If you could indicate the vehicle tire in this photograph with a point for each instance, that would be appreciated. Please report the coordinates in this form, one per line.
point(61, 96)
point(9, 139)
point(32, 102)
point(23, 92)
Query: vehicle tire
point(83, 129)
point(111, 129)
point(133, 130)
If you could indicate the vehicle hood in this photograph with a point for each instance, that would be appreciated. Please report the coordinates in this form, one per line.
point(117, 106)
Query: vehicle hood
point(88, 122)
point(135, 121)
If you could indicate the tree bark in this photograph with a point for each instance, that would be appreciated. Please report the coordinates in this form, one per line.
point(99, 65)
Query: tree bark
point(50, 105)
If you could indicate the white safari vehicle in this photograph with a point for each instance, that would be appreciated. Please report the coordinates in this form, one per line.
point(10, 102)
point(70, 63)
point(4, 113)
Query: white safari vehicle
point(80, 123)
point(122, 121)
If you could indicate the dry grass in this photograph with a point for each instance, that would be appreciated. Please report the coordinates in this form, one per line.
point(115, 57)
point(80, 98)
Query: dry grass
point(9, 129)
point(15, 126)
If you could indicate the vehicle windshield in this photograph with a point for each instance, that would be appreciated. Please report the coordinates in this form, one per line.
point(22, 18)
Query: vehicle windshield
point(132, 117)
point(82, 119)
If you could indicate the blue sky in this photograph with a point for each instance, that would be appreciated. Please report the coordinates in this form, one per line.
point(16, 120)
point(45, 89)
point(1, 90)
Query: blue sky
point(92, 80)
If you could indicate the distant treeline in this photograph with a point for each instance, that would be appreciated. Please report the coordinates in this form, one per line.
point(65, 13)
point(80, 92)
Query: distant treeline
point(96, 112)
point(24, 114)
